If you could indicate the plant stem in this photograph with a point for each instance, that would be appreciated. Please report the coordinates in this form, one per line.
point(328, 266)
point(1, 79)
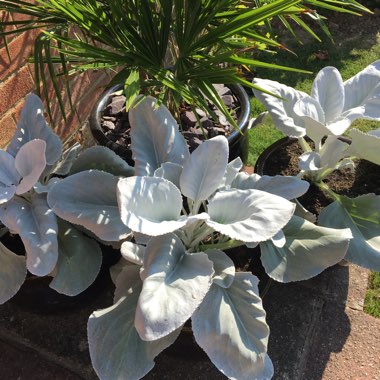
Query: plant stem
point(304, 145)
point(325, 188)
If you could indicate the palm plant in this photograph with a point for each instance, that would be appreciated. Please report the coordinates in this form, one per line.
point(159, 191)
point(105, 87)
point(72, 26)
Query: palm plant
point(173, 49)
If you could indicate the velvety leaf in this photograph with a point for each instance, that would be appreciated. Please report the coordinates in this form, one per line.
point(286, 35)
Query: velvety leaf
point(284, 186)
point(155, 137)
point(248, 215)
point(174, 284)
point(30, 162)
point(230, 327)
point(233, 168)
point(328, 90)
point(224, 268)
point(362, 216)
point(308, 250)
point(282, 112)
point(32, 125)
point(116, 350)
point(12, 273)
point(363, 88)
point(89, 199)
point(149, 205)
point(203, 173)
point(171, 172)
point(63, 166)
point(308, 106)
point(133, 252)
point(365, 145)
point(9, 177)
point(332, 151)
point(37, 226)
point(79, 261)
point(101, 158)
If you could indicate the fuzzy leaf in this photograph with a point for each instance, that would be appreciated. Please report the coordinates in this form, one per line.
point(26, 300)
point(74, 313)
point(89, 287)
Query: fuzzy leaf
point(132, 252)
point(89, 199)
point(149, 205)
point(365, 145)
point(248, 215)
point(230, 327)
point(171, 172)
point(32, 125)
point(224, 268)
point(308, 250)
point(30, 162)
point(101, 158)
point(12, 273)
point(37, 226)
point(79, 261)
point(9, 177)
point(362, 216)
point(203, 173)
point(155, 137)
point(174, 284)
point(116, 350)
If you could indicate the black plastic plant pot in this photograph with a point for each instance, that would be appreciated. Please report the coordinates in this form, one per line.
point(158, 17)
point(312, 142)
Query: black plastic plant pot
point(238, 139)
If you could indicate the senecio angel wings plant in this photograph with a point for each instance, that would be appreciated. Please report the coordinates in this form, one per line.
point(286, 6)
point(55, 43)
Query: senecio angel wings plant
point(324, 116)
point(30, 166)
point(182, 211)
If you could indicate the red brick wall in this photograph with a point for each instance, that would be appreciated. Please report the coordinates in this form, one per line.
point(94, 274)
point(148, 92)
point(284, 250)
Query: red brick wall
point(16, 81)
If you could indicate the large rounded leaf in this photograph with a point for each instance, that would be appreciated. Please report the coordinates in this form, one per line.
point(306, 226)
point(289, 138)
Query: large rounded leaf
point(203, 173)
point(79, 261)
point(9, 177)
point(150, 205)
point(328, 90)
point(308, 250)
point(30, 162)
point(32, 125)
point(174, 284)
point(282, 112)
point(116, 350)
point(12, 273)
point(89, 199)
point(155, 137)
point(224, 268)
point(230, 327)
point(362, 216)
point(248, 215)
point(365, 145)
point(284, 186)
point(37, 226)
point(101, 158)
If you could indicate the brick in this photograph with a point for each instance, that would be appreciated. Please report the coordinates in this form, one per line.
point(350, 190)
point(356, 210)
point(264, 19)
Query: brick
point(7, 129)
point(20, 49)
point(15, 88)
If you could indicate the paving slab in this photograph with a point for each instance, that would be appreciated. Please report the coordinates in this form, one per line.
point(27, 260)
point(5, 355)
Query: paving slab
point(318, 331)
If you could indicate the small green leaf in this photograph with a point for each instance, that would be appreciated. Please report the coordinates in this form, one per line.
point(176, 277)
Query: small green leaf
point(132, 88)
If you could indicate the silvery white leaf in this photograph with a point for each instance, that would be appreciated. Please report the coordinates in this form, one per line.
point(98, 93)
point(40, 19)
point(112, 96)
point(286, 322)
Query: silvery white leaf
point(308, 250)
point(171, 172)
point(8, 173)
point(363, 88)
point(232, 171)
point(203, 172)
point(128, 277)
point(101, 158)
point(117, 268)
point(63, 166)
point(279, 239)
point(37, 226)
point(310, 161)
point(79, 261)
point(284, 186)
point(328, 90)
point(32, 125)
point(282, 112)
point(317, 130)
point(332, 151)
point(365, 145)
point(308, 106)
point(150, 205)
point(362, 216)
point(30, 162)
point(224, 268)
point(230, 327)
point(174, 284)
point(89, 199)
point(303, 213)
point(155, 137)
point(116, 350)
point(133, 252)
point(12, 273)
point(248, 215)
